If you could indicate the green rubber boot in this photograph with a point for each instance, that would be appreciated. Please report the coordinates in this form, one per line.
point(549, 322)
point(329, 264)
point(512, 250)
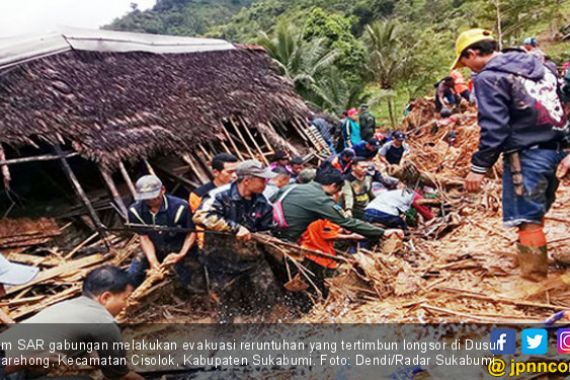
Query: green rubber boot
point(533, 262)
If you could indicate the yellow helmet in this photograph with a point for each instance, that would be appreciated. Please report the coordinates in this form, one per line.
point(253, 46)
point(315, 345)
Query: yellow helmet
point(466, 39)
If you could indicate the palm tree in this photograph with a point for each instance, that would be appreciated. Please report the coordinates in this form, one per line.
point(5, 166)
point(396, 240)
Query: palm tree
point(387, 58)
point(300, 61)
point(333, 93)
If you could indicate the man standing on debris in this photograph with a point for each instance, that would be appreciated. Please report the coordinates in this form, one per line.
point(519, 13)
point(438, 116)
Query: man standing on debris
point(223, 171)
point(521, 116)
point(357, 190)
point(155, 208)
point(305, 204)
point(88, 319)
point(393, 151)
point(367, 123)
point(237, 268)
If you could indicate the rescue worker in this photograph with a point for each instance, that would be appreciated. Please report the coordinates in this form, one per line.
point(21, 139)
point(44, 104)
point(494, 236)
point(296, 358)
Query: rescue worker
point(357, 190)
point(393, 151)
point(521, 116)
point(367, 149)
point(459, 85)
point(86, 319)
point(236, 266)
point(155, 208)
point(305, 204)
point(445, 97)
point(367, 123)
point(282, 179)
point(530, 45)
point(325, 129)
point(341, 162)
point(296, 166)
point(223, 171)
point(280, 159)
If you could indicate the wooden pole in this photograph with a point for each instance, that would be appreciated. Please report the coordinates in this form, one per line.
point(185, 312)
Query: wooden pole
point(45, 157)
point(263, 158)
point(242, 139)
point(233, 144)
point(79, 190)
point(149, 168)
point(108, 178)
point(127, 179)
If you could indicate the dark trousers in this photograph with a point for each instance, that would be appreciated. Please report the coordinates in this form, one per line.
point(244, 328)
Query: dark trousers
point(390, 221)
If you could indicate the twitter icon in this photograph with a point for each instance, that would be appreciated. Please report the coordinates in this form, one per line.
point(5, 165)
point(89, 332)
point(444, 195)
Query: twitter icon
point(534, 341)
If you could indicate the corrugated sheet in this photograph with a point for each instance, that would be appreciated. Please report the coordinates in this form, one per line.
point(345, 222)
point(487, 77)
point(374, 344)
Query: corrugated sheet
point(16, 50)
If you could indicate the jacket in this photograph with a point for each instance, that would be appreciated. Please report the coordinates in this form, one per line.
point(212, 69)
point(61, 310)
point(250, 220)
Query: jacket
point(226, 210)
point(308, 203)
point(350, 132)
point(519, 107)
point(174, 212)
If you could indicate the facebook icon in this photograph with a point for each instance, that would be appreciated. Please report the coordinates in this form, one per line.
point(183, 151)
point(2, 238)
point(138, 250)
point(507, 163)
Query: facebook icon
point(503, 341)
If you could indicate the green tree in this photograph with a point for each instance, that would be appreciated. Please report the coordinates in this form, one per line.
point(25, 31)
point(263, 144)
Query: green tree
point(333, 93)
point(387, 59)
point(299, 60)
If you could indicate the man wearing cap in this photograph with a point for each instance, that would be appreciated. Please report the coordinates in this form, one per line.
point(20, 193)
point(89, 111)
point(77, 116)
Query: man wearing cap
point(15, 274)
point(367, 123)
point(530, 44)
point(393, 151)
point(296, 166)
point(155, 208)
point(357, 189)
point(236, 265)
point(367, 149)
point(521, 117)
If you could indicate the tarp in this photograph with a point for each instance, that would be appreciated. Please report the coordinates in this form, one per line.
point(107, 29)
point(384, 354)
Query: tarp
point(17, 50)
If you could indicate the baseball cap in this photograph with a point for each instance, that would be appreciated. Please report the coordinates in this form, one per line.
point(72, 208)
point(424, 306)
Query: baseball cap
point(348, 152)
point(373, 141)
point(148, 187)
point(364, 106)
point(254, 168)
point(466, 39)
point(530, 41)
point(399, 135)
point(15, 274)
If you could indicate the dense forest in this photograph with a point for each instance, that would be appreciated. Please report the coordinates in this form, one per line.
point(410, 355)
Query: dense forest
point(340, 53)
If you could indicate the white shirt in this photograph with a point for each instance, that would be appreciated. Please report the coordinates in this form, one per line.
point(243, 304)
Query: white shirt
point(392, 202)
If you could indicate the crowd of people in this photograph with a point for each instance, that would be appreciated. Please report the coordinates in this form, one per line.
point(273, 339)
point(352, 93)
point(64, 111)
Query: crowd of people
point(211, 240)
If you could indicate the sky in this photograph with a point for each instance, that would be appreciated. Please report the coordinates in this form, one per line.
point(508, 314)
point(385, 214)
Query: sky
point(19, 17)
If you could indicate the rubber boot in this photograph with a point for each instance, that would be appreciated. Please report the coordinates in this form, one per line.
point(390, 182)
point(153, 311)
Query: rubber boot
point(533, 262)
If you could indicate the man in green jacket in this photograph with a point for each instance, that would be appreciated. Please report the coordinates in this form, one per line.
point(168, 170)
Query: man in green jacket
point(310, 202)
point(367, 123)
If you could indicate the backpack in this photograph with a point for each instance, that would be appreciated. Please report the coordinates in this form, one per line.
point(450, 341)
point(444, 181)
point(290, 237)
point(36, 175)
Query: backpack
point(278, 214)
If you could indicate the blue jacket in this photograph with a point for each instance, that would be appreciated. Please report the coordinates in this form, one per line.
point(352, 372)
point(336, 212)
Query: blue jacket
point(519, 106)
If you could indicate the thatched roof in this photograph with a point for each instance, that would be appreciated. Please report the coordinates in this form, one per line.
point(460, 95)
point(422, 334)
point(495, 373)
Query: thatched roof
point(118, 106)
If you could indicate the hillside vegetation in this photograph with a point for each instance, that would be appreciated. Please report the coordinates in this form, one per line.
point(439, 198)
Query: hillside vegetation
point(340, 53)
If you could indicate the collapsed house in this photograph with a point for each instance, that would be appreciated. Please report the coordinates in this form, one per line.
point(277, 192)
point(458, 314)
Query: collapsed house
point(84, 113)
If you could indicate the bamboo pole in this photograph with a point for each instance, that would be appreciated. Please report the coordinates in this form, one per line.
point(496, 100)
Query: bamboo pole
point(149, 167)
point(79, 190)
point(263, 158)
point(45, 157)
point(108, 178)
point(188, 159)
point(233, 144)
point(127, 179)
point(242, 139)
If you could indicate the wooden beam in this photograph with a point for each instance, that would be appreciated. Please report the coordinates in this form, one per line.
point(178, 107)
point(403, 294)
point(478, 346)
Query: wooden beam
point(242, 139)
point(127, 179)
point(188, 159)
point(149, 168)
point(233, 144)
point(79, 190)
point(108, 178)
point(263, 158)
point(45, 157)
point(179, 178)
